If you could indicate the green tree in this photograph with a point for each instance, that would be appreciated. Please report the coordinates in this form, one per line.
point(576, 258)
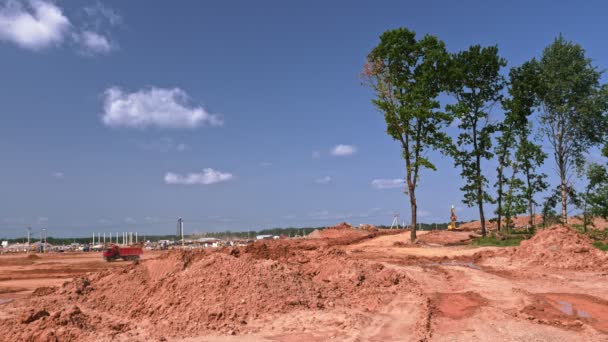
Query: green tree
point(529, 155)
point(596, 192)
point(503, 150)
point(406, 77)
point(514, 197)
point(572, 106)
point(475, 81)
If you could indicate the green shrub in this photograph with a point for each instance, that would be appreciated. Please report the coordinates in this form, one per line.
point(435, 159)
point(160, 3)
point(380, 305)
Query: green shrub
point(500, 242)
point(601, 245)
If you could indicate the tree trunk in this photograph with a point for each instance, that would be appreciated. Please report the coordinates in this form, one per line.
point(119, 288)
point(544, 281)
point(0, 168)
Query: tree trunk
point(499, 198)
point(414, 208)
point(483, 219)
point(480, 196)
point(531, 211)
point(529, 198)
point(564, 200)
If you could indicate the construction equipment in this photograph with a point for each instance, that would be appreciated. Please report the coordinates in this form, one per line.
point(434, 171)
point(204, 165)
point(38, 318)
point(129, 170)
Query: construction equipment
point(452, 225)
point(114, 252)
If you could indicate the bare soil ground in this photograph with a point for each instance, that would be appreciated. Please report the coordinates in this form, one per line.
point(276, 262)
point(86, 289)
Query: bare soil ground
point(351, 286)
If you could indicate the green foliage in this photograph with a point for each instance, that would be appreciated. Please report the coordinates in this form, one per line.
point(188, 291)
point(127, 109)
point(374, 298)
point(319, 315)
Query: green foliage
point(516, 149)
point(596, 192)
point(601, 245)
point(475, 81)
point(493, 240)
point(514, 198)
point(406, 76)
point(572, 106)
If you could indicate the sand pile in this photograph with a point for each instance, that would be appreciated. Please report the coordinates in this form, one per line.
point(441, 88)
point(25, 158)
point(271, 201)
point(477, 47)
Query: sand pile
point(188, 293)
point(560, 247)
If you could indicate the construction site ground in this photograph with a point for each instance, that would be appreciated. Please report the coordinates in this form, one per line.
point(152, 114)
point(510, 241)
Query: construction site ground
point(354, 286)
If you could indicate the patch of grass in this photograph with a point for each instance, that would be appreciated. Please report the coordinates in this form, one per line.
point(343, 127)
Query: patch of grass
point(495, 241)
point(601, 245)
point(529, 231)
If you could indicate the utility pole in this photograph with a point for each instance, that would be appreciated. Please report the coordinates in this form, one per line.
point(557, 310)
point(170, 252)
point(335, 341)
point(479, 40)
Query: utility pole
point(180, 229)
point(29, 234)
point(43, 238)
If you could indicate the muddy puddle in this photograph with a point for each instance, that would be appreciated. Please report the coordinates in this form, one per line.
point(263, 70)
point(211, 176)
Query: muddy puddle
point(568, 307)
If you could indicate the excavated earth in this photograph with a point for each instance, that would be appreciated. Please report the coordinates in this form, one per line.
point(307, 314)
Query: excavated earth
point(342, 284)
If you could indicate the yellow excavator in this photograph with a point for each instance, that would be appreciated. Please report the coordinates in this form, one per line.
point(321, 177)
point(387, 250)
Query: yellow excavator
point(452, 225)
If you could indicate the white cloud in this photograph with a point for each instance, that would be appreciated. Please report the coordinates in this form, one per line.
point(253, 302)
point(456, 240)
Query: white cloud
point(343, 150)
point(265, 164)
point(57, 174)
point(388, 183)
point(208, 176)
point(130, 220)
point(159, 107)
point(316, 154)
point(323, 180)
point(33, 25)
point(181, 147)
point(94, 43)
point(40, 24)
point(42, 220)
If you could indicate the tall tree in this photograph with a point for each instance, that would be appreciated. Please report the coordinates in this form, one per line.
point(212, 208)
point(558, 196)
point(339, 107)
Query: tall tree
point(406, 76)
point(475, 81)
point(514, 198)
point(529, 155)
point(572, 106)
point(504, 146)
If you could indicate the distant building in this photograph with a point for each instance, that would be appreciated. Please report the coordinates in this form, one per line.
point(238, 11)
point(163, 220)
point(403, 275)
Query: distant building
point(209, 242)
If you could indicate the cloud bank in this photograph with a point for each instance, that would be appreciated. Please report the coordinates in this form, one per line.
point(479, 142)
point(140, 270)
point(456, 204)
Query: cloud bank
point(154, 107)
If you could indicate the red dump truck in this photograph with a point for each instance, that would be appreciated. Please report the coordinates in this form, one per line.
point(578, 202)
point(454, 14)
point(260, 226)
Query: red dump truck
point(115, 252)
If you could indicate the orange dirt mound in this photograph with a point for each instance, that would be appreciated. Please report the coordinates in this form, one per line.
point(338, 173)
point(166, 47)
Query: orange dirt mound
point(193, 293)
point(560, 247)
point(344, 233)
point(444, 238)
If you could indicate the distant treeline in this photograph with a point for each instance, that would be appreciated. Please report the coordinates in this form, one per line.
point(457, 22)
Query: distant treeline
point(289, 232)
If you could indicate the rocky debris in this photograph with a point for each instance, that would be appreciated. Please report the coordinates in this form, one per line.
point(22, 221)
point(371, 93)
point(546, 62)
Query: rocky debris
point(33, 315)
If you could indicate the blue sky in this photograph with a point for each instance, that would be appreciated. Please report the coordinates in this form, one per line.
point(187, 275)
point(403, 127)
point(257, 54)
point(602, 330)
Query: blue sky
point(233, 114)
